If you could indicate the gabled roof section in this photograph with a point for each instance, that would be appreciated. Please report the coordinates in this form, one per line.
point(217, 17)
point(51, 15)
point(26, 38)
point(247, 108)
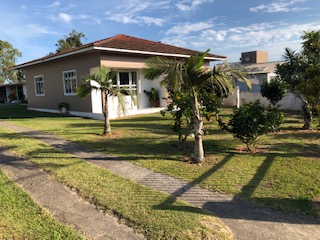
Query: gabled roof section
point(125, 44)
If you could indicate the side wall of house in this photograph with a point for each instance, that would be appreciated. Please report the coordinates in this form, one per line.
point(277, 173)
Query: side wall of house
point(52, 73)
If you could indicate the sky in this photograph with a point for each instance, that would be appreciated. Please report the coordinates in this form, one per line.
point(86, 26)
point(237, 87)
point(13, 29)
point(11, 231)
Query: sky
point(225, 27)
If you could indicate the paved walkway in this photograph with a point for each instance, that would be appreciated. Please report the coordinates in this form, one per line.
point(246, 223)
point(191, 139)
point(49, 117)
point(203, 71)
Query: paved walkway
point(65, 205)
point(246, 220)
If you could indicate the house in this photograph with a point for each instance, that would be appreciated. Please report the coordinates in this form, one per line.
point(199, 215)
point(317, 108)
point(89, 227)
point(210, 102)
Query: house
point(259, 69)
point(13, 92)
point(53, 79)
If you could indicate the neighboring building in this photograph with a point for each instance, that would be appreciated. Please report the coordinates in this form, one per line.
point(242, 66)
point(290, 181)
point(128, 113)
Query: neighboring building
point(13, 92)
point(259, 69)
point(54, 78)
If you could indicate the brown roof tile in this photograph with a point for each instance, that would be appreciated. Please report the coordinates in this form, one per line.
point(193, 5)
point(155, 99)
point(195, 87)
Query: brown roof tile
point(121, 41)
point(124, 42)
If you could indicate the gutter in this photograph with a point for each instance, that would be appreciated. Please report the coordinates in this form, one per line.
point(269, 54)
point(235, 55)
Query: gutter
point(152, 53)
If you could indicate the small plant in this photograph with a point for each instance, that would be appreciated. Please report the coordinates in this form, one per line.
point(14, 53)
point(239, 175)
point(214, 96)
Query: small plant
point(251, 121)
point(63, 107)
point(153, 94)
point(274, 91)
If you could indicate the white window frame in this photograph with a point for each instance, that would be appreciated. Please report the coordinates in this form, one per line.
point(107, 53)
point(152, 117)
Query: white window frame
point(37, 85)
point(132, 87)
point(73, 78)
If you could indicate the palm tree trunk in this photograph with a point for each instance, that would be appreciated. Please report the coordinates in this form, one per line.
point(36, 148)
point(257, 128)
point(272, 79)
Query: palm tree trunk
point(105, 110)
point(198, 133)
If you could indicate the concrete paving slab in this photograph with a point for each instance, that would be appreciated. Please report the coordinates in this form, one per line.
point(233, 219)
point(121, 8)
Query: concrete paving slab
point(65, 205)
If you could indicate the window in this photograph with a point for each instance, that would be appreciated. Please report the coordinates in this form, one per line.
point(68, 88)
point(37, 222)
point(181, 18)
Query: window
point(70, 82)
point(128, 81)
point(39, 85)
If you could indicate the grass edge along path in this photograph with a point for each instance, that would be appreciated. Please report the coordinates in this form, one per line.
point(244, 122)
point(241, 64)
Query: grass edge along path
point(22, 218)
point(139, 207)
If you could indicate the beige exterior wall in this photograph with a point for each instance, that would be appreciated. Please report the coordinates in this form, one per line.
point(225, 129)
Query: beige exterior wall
point(52, 72)
point(254, 57)
point(123, 61)
point(53, 82)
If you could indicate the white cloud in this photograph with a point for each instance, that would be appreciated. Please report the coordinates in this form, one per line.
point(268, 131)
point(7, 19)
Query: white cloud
point(54, 5)
point(129, 19)
point(281, 6)
point(65, 17)
point(133, 12)
point(189, 5)
point(187, 28)
point(151, 20)
point(23, 7)
point(265, 36)
point(36, 30)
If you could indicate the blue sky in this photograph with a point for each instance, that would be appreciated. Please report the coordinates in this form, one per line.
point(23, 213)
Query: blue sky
point(226, 27)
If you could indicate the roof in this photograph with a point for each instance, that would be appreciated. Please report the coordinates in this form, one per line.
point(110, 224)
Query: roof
point(125, 44)
point(256, 68)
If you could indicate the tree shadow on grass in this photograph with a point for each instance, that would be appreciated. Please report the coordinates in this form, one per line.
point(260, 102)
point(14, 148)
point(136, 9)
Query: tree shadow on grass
point(168, 203)
point(235, 208)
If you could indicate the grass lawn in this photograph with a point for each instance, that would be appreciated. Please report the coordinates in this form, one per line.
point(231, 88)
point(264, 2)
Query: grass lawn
point(21, 218)
point(150, 212)
point(283, 173)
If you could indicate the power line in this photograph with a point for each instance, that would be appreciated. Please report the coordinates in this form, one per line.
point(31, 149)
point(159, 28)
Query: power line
point(32, 54)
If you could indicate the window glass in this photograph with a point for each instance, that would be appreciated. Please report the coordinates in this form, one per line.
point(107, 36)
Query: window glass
point(124, 78)
point(134, 78)
point(128, 81)
point(39, 85)
point(70, 82)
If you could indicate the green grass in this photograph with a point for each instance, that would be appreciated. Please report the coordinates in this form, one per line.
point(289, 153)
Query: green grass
point(283, 173)
point(155, 214)
point(21, 218)
point(8, 111)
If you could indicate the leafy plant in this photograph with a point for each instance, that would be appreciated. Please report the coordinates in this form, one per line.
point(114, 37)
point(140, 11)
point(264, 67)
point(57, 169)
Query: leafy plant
point(63, 105)
point(300, 73)
point(274, 91)
point(153, 94)
point(189, 77)
point(251, 121)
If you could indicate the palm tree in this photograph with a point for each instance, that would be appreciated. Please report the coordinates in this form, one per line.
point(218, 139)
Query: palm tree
point(190, 76)
point(105, 82)
point(311, 43)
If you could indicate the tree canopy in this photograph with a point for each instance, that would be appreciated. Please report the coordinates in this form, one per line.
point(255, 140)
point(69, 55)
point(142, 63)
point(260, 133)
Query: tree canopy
point(8, 58)
point(194, 90)
point(301, 74)
point(71, 41)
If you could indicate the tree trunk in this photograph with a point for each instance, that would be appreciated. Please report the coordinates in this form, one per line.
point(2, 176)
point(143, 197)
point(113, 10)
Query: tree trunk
point(105, 110)
point(198, 133)
point(307, 115)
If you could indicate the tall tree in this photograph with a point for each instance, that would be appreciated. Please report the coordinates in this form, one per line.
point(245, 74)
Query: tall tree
point(300, 73)
point(71, 41)
point(190, 79)
point(8, 58)
point(105, 82)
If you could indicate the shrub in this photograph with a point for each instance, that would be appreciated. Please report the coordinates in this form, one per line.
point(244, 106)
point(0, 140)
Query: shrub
point(251, 121)
point(274, 91)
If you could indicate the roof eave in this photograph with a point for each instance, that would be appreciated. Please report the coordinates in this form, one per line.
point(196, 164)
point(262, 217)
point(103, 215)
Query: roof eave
point(153, 53)
point(111, 50)
point(23, 65)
